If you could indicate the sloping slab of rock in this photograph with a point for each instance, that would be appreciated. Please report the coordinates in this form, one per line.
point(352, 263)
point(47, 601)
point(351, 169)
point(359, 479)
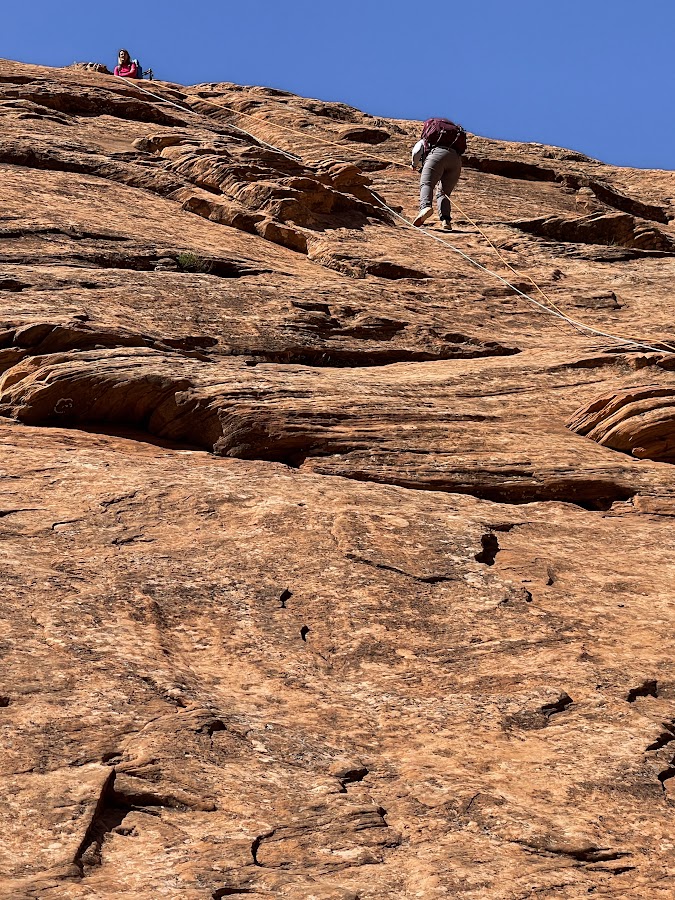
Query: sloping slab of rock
point(177, 729)
point(388, 425)
point(298, 623)
point(617, 229)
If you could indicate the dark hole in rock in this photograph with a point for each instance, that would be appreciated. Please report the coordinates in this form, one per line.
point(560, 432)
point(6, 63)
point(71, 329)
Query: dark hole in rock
point(665, 738)
point(111, 756)
point(590, 495)
point(231, 892)
point(646, 689)
point(11, 284)
point(336, 357)
point(352, 776)
point(509, 168)
point(490, 549)
point(560, 705)
point(191, 342)
point(393, 271)
point(365, 135)
point(135, 434)
point(212, 726)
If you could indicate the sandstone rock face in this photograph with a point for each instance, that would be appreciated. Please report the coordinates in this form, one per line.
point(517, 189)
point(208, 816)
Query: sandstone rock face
point(310, 590)
point(640, 421)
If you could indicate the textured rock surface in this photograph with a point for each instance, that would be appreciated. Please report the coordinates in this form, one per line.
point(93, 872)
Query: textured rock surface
point(638, 420)
point(310, 591)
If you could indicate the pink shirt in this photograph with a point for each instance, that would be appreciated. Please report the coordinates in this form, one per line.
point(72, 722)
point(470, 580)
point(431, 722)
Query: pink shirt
point(126, 71)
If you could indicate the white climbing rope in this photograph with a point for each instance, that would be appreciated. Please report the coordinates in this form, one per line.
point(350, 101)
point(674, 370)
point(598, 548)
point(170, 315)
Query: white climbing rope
point(553, 311)
point(549, 307)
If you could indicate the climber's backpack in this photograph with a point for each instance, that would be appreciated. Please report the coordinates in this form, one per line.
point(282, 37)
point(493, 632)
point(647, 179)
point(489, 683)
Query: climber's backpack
point(139, 68)
point(443, 133)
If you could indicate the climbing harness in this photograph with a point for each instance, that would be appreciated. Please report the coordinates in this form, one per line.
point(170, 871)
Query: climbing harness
point(549, 307)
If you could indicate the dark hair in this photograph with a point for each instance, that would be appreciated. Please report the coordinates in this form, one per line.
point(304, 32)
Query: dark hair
point(124, 51)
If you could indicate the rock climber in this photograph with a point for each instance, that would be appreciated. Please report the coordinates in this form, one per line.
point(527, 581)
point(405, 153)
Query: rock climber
point(438, 154)
point(126, 66)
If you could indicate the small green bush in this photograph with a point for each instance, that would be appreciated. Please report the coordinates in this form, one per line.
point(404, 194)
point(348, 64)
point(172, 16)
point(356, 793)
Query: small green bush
point(191, 262)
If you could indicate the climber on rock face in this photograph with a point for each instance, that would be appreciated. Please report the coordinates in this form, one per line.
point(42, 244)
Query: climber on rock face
point(438, 154)
point(126, 67)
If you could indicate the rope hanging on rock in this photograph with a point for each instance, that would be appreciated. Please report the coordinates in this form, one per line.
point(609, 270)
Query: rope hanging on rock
point(549, 307)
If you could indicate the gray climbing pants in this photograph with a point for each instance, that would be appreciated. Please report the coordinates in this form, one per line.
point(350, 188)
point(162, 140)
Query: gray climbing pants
point(442, 167)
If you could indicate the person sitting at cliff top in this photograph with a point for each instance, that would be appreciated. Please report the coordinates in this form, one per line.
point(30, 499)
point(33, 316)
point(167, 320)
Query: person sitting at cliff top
point(126, 67)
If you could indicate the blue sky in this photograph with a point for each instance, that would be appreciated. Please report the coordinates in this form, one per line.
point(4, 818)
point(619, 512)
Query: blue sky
point(593, 75)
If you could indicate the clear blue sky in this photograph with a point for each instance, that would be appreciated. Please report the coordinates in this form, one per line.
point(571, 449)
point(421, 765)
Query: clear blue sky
point(593, 75)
